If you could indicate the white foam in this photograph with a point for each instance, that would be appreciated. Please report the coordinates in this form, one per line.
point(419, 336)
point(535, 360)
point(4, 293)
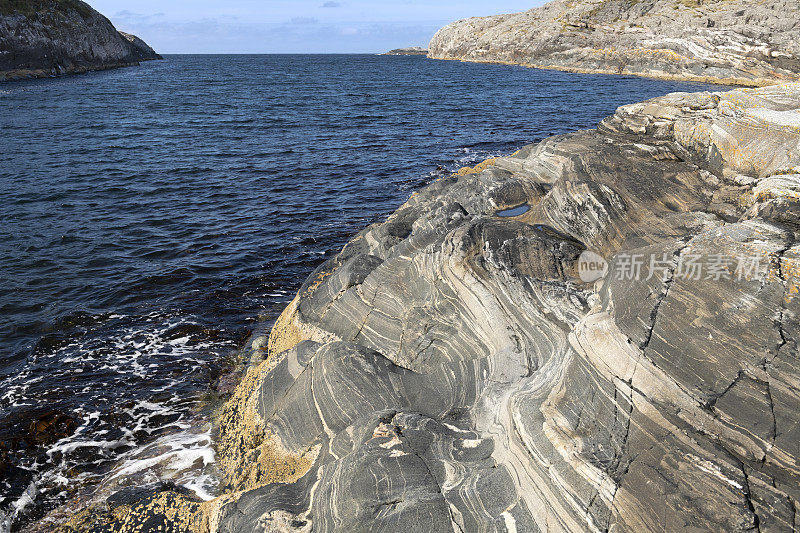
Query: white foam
point(17, 507)
point(146, 349)
point(184, 458)
point(5, 523)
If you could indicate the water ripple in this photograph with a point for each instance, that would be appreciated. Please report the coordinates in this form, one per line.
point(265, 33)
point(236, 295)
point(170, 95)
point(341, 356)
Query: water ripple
point(150, 215)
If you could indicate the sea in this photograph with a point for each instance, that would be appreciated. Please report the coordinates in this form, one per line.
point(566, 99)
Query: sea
point(152, 217)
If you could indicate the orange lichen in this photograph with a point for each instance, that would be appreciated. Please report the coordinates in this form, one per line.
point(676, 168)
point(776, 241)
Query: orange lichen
point(480, 167)
point(286, 332)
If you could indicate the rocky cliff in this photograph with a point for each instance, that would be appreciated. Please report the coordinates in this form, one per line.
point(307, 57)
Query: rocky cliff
point(463, 367)
point(40, 38)
point(733, 41)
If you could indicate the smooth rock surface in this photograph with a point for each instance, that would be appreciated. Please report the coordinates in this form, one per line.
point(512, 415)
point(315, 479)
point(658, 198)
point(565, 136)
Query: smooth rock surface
point(733, 41)
point(448, 370)
point(51, 37)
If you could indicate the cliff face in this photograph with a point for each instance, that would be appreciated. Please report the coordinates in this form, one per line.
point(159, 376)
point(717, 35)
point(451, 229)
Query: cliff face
point(52, 37)
point(734, 41)
point(451, 370)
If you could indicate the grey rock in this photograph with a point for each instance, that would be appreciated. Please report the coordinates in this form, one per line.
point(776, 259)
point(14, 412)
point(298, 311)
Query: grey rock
point(411, 51)
point(50, 37)
point(449, 370)
point(141, 50)
point(733, 41)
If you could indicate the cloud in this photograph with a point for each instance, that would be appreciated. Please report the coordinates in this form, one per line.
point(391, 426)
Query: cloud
point(332, 4)
point(300, 35)
point(301, 21)
point(137, 18)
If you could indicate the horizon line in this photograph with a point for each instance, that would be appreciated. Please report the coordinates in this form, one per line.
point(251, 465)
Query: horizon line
point(278, 54)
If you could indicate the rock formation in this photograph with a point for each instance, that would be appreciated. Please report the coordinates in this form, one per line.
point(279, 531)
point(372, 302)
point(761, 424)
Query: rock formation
point(412, 51)
point(733, 41)
point(44, 38)
point(451, 370)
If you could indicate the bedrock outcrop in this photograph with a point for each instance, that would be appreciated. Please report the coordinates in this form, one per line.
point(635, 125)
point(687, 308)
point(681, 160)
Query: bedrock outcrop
point(44, 38)
point(450, 370)
point(411, 51)
point(733, 41)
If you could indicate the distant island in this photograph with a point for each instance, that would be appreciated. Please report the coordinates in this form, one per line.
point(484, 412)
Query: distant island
point(411, 51)
point(722, 41)
point(43, 38)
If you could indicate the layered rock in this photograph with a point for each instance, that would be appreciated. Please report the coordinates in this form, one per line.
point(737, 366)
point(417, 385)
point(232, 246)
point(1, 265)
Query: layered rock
point(52, 37)
point(451, 370)
point(733, 41)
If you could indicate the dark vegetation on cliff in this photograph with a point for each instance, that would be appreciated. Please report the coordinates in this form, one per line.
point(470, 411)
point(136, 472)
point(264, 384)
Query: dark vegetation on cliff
point(31, 7)
point(41, 38)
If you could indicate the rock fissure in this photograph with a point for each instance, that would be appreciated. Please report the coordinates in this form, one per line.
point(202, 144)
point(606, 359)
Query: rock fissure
point(669, 278)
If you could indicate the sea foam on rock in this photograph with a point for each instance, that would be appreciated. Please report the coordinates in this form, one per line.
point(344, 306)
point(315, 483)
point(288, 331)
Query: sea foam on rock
point(448, 370)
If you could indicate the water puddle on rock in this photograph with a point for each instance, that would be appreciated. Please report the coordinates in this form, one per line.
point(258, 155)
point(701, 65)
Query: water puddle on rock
point(514, 211)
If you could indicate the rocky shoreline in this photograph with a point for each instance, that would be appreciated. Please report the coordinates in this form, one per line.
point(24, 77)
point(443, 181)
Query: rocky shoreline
point(46, 38)
point(412, 51)
point(453, 369)
point(733, 42)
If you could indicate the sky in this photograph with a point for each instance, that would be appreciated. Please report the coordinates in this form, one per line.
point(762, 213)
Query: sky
point(298, 26)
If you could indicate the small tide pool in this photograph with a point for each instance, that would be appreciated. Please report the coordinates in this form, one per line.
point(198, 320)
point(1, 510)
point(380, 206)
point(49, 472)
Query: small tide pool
point(514, 211)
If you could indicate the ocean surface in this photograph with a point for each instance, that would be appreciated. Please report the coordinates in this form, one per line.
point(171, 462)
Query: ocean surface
point(151, 217)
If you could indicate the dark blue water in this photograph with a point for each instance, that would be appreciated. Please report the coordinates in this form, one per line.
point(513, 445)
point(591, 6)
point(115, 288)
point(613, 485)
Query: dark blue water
point(149, 216)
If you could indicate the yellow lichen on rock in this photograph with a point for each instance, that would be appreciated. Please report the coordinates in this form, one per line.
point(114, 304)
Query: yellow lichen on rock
point(289, 331)
point(480, 167)
point(286, 332)
point(248, 454)
point(169, 511)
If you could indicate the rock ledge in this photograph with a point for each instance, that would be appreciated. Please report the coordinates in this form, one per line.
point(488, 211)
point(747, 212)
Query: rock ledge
point(735, 42)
